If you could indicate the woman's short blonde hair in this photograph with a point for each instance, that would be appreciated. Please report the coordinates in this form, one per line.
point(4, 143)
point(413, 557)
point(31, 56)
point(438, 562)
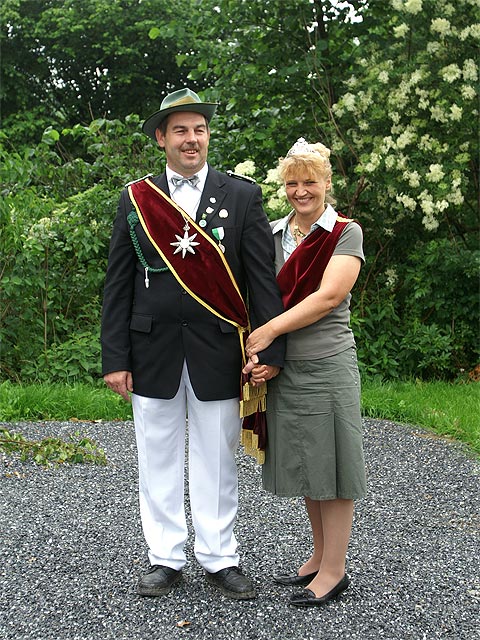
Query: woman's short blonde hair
point(310, 161)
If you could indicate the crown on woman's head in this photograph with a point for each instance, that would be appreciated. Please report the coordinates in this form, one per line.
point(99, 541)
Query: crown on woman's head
point(301, 147)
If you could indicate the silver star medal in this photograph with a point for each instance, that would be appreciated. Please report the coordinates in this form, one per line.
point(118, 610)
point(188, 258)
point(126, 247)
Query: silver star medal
point(186, 243)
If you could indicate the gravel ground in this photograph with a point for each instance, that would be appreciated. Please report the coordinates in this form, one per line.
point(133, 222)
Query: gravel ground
point(71, 549)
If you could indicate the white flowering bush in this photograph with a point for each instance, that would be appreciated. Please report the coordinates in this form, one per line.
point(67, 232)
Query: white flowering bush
point(409, 115)
point(274, 198)
point(417, 108)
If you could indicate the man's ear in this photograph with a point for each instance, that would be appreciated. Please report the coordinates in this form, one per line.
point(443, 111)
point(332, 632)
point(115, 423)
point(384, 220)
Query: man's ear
point(160, 138)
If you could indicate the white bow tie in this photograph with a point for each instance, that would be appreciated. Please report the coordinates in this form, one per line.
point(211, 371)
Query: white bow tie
point(177, 181)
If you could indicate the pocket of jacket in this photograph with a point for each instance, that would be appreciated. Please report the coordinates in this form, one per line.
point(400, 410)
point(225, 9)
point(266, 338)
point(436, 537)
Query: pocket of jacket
point(226, 327)
point(141, 323)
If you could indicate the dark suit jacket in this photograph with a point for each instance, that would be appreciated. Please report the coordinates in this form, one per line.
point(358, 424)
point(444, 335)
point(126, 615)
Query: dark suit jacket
point(150, 332)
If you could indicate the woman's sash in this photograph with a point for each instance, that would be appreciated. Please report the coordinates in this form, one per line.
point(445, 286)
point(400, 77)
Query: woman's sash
point(303, 271)
point(200, 267)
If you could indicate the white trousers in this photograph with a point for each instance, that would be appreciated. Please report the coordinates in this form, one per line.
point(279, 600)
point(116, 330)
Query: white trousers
point(213, 437)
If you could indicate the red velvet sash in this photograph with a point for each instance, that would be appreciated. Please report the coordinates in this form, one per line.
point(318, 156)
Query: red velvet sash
point(205, 274)
point(303, 271)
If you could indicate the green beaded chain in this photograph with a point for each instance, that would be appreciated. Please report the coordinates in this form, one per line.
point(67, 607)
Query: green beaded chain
point(133, 220)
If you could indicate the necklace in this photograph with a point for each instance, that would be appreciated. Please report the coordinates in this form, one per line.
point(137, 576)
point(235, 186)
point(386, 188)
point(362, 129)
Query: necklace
point(297, 234)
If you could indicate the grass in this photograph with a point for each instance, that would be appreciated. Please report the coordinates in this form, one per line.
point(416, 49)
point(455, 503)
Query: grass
point(450, 410)
point(62, 402)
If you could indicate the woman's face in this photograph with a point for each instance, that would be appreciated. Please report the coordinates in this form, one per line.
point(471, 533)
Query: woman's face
point(307, 195)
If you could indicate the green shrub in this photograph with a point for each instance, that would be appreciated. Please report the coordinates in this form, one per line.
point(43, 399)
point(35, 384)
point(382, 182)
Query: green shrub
point(76, 359)
point(378, 338)
point(440, 305)
point(53, 272)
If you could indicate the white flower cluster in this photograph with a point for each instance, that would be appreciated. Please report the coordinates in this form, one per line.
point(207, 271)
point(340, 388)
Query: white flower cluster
point(412, 178)
point(451, 73)
point(408, 6)
point(41, 231)
point(392, 277)
point(246, 168)
point(441, 26)
point(276, 202)
point(401, 31)
point(435, 173)
point(273, 177)
point(407, 201)
point(374, 162)
point(470, 70)
point(406, 137)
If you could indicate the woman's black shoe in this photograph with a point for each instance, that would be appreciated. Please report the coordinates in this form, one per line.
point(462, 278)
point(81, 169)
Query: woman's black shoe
point(296, 580)
point(309, 599)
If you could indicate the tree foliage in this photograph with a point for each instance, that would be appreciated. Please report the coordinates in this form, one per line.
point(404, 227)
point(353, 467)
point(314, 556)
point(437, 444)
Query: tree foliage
point(71, 61)
point(272, 67)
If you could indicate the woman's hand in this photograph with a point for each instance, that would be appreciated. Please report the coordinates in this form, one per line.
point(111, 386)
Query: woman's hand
point(259, 340)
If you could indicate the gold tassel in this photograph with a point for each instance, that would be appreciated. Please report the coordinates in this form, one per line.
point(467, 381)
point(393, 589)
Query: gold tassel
point(249, 407)
point(254, 399)
point(249, 441)
point(250, 392)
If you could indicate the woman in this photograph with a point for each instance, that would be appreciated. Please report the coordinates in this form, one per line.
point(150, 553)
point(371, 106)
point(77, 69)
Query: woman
point(313, 410)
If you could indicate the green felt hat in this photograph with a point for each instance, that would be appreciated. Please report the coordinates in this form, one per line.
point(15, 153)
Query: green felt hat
point(181, 100)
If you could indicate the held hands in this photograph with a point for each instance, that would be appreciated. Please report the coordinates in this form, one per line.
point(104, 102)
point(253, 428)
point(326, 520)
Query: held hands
point(260, 372)
point(257, 341)
point(120, 382)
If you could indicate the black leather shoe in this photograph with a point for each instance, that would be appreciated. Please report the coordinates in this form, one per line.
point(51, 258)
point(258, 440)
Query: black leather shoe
point(296, 580)
point(232, 583)
point(308, 598)
point(158, 581)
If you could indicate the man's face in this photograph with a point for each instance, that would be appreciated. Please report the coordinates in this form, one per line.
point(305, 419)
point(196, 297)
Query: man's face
point(185, 142)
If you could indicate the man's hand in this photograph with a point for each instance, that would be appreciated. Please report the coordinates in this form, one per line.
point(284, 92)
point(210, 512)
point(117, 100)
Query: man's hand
point(251, 364)
point(120, 382)
point(260, 372)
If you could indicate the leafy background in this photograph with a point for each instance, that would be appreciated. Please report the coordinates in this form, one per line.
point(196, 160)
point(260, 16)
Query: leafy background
point(391, 87)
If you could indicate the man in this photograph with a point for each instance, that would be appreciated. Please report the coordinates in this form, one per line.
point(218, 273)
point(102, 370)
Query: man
point(184, 256)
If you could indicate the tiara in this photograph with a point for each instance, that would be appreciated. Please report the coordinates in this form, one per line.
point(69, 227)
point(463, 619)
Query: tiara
point(301, 147)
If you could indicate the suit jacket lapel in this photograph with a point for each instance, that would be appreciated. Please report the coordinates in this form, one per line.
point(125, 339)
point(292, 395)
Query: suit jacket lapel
point(162, 182)
point(212, 198)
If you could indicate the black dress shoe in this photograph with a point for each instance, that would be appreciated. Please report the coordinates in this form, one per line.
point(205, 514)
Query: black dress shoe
point(295, 580)
point(158, 580)
point(232, 583)
point(309, 599)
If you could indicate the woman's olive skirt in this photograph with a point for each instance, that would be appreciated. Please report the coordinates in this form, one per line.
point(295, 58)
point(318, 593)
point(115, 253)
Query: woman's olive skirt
point(314, 423)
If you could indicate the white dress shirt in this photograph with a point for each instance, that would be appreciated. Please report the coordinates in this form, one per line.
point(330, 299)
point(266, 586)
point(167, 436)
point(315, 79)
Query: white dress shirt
point(186, 196)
